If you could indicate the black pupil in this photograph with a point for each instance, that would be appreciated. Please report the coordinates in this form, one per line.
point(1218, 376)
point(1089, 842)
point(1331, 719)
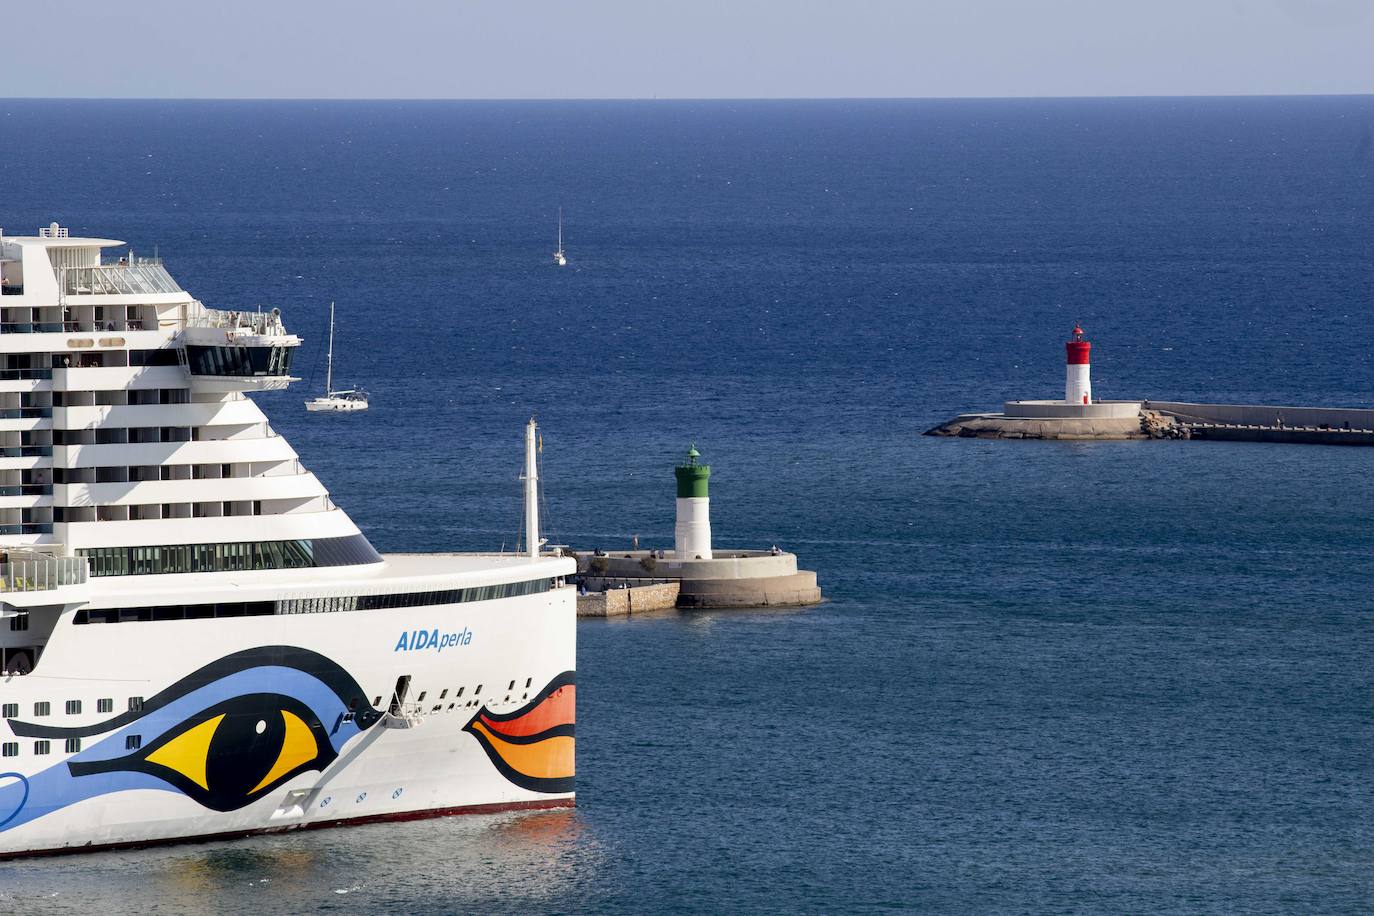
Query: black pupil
point(239, 755)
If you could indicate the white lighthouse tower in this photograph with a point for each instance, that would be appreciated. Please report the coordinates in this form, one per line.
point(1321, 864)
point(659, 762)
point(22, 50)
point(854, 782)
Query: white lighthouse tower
point(692, 533)
point(1078, 386)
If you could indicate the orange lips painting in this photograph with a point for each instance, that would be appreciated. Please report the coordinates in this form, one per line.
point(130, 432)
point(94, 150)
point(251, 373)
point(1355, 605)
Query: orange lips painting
point(533, 746)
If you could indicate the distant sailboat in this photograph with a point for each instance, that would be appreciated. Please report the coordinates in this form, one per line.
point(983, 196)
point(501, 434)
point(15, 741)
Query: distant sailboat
point(347, 400)
point(559, 257)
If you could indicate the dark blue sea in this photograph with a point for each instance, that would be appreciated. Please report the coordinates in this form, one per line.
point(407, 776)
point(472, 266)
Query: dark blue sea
point(1049, 677)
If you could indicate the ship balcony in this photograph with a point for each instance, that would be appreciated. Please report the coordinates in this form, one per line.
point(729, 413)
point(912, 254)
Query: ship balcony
point(26, 496)
point(22, 380)
point(54, 338)
point(18, 457)
point(192, 490)
point(115, 378)
point(21, 419)
point(239, 412)
point(30, 577)
point(205, 451)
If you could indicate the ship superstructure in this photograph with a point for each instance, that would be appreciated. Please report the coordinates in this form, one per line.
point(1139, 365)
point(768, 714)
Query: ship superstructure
point(194, 639)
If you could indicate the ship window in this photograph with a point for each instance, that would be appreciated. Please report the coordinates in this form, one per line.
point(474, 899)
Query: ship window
point(105, 705)
point(421, 697)
point(443, 694)
point(42, 747)
point(238, 361)
point(152, 560)
point(73, 745)
point(73, 707)
point(42, 709)
point(20, 621)
point(133, 742)
point(376, 702)
point(478, 691)
point(9, 710)
point(135, 704)
point(528, 682)
point(512, 686)
point(460, 692)
point(11, 748)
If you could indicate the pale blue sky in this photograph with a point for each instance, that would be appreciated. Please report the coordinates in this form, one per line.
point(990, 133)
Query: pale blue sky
point(684, 48)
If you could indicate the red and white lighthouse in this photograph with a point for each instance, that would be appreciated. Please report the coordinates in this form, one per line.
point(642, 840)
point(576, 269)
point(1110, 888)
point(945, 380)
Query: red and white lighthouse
point(1078, 386)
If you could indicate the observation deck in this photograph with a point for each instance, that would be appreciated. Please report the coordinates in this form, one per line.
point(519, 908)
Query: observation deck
point(127, 277)
point(29, 578)
point(237, 351)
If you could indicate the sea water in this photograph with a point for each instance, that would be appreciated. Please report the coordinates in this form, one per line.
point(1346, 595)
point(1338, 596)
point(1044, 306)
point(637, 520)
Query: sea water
point(1116, 676)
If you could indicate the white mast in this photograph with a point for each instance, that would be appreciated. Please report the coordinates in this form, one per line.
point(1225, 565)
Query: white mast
point(532, 541)
point(560, 228)
point(329, 361)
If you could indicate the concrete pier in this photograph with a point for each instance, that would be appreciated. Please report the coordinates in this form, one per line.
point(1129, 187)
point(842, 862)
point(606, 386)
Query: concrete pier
point(1049, 420)
point(730, 579)
point(1167, 420)
point(612, 601)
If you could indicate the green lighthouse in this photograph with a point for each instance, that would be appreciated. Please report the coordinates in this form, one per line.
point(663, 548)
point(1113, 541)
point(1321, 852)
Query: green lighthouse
point(692, 533)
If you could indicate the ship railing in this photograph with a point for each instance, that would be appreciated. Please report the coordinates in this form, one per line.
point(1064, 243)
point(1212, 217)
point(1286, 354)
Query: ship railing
point(27, 528)
point(31, 327)
point(407, 715)
point(88, 327)
point(25, 413)
point(27, 489)
point(140, 276)
point(32, 572)
point(265, 324)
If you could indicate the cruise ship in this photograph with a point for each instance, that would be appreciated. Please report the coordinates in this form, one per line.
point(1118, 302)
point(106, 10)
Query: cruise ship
point(195, 641)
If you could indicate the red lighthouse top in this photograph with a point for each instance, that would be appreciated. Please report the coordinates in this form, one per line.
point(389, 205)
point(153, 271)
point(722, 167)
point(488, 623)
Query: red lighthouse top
point(1078, 348)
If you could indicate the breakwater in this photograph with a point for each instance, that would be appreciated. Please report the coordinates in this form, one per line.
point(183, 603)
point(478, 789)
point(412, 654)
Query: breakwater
point(1168, 420)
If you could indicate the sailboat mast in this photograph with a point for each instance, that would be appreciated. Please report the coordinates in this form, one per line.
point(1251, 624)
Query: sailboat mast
point(560, 228)
point(329, 361)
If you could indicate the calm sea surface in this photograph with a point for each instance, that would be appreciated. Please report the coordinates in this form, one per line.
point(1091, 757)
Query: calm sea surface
point(1115, 677)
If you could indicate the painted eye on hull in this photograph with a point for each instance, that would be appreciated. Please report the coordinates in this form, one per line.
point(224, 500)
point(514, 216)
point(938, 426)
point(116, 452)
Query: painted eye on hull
point(533, 746)
point(232, 753)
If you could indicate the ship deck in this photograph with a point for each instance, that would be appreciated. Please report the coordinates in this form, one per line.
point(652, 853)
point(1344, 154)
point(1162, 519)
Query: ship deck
point(399, 571)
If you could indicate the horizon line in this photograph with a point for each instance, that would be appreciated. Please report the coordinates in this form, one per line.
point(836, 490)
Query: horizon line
point(686, 98)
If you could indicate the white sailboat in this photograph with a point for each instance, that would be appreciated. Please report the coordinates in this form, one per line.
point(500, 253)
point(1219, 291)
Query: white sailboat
point(349, 399)
point(559, 257)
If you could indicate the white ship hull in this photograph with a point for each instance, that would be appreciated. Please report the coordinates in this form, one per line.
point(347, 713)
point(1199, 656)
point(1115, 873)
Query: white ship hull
point(429, 760)
point(195, 640)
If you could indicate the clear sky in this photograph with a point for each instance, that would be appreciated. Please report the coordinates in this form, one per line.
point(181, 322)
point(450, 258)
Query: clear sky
point(682, 48)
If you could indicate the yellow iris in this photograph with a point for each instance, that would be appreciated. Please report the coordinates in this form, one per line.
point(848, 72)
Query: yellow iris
point(189, 752)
